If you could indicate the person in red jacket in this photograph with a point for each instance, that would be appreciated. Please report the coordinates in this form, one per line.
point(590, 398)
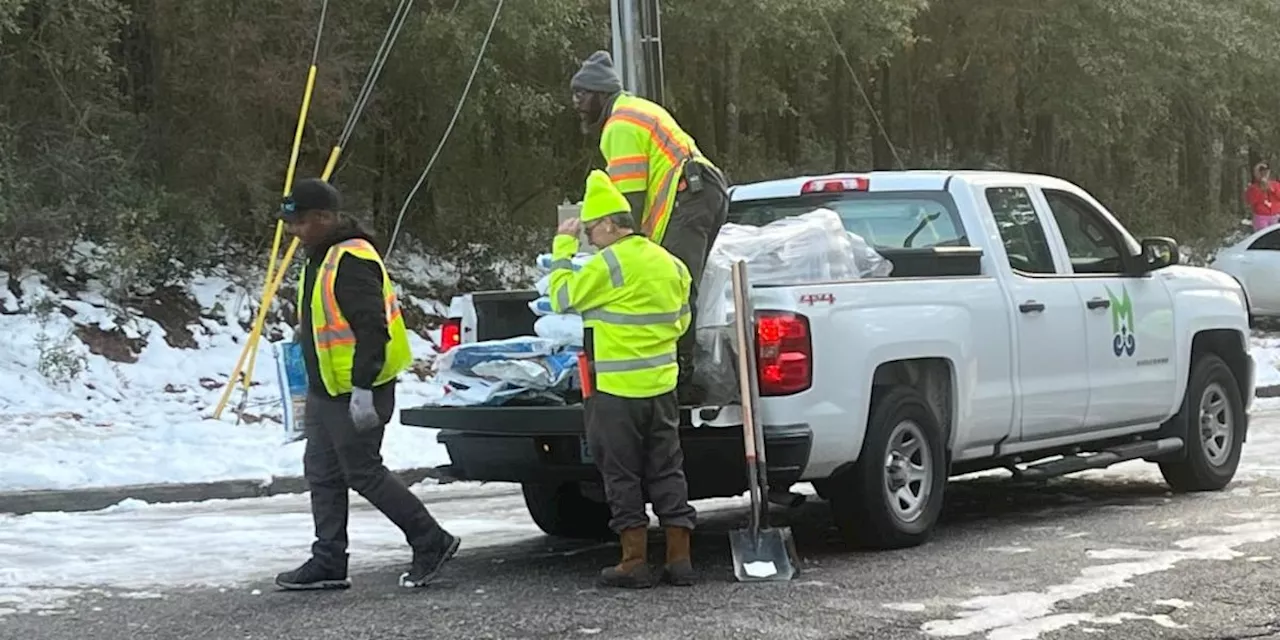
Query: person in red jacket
point(1263, 196)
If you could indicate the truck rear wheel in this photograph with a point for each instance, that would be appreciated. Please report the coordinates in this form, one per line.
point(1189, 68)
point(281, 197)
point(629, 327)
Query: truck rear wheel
point(1212, 425)
point(561, 510)
point(892, 497)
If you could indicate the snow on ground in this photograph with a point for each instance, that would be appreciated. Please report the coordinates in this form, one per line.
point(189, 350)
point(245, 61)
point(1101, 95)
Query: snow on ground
point(138, 550)
point(1266, 357)
point(73, 419)
point(1027, 615)
point(134, 549)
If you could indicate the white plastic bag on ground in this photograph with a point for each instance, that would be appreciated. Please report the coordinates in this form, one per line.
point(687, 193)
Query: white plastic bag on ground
point(561, 327)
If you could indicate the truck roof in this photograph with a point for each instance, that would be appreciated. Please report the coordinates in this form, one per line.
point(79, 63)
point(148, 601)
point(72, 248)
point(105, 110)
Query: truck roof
point(915, 180)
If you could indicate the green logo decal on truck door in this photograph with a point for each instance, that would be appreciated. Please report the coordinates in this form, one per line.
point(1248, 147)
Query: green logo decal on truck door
point(1123, 341)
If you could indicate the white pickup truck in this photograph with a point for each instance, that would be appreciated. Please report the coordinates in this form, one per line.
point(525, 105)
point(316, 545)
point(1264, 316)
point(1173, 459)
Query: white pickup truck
point(1021, 324)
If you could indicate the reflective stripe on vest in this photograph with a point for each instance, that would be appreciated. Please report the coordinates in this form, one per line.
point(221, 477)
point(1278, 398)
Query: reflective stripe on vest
point(334, 330)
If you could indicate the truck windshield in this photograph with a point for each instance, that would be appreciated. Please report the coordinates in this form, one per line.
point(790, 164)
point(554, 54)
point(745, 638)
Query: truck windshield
point(888, 219)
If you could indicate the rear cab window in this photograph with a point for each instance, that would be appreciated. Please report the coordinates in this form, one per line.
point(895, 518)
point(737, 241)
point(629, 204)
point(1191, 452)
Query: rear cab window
point(886, 220)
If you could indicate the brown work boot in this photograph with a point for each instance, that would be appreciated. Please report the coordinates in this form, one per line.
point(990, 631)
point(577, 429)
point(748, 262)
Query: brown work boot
point(679, 569)
point(633, 571)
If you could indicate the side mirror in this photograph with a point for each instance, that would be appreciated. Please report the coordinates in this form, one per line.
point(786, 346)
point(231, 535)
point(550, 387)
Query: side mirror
point(1158, 253)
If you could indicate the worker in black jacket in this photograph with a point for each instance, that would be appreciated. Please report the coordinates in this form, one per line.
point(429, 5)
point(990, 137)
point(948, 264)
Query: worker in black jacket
point(354, 344)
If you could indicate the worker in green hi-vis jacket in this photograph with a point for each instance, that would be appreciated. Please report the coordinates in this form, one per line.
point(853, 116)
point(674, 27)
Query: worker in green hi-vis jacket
point(679, 197)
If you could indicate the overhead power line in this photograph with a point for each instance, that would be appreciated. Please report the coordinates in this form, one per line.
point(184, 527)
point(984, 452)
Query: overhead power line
point(449, 129)
point(870, 107)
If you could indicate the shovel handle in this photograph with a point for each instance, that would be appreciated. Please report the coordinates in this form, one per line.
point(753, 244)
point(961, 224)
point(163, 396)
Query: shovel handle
point(743, 322)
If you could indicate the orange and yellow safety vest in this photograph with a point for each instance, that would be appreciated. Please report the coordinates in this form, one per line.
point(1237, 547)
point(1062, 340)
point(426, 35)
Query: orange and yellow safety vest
point(646, 150)
point(335, 342)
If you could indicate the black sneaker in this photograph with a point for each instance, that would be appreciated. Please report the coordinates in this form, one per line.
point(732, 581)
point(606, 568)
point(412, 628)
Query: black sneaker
point(428, 562)
point(313, 575)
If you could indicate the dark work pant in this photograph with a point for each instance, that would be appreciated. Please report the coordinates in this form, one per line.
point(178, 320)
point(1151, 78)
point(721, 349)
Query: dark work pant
point(695, 223)
point(339, 457)
point(636, 446)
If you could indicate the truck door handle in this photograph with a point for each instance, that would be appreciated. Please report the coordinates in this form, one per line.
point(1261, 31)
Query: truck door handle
point(1098, 303)
point(1031, 306)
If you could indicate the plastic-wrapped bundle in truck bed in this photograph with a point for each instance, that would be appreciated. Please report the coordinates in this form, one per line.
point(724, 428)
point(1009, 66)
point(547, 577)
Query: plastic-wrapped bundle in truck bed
point(804, 249)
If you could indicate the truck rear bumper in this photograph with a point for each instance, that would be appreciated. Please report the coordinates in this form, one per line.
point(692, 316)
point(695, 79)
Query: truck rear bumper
point(546, 445)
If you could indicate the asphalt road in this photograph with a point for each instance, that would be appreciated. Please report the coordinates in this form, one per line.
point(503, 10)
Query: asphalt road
point(1077, 558)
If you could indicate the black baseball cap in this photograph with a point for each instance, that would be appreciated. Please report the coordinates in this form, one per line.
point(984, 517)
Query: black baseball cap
point(310, 194)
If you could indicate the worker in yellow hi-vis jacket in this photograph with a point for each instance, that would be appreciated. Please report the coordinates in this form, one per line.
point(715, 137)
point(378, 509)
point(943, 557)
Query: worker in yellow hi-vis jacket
point(678, 196)
point(633, 299)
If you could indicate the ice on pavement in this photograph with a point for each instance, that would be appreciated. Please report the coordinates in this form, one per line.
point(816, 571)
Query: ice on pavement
point(1025, 615)
point(50, 558)
point(133, 546)
point(148, 422)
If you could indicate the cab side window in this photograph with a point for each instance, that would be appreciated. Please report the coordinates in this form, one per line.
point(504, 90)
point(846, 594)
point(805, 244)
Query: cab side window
point(1091, 243)
point(1269, 241)
point(1021, 230)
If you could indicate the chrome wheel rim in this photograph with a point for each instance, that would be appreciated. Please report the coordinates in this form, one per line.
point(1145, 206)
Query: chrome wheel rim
point(1216, 422)
point(908, 471)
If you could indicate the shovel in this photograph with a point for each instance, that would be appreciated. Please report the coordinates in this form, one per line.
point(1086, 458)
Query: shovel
point(760, 553)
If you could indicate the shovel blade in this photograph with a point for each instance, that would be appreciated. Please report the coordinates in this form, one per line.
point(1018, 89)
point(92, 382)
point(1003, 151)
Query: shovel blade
point(763, 556)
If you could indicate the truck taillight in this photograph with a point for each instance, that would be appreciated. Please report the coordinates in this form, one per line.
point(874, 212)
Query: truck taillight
point(784, 353)
point(450, 334)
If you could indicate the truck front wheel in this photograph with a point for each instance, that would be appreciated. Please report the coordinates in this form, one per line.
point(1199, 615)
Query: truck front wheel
point(892, 497)
point(1211, 423)
point(561, 510)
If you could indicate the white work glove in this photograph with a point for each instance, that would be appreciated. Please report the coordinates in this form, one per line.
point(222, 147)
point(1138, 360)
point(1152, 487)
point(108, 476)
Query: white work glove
point(363, 413)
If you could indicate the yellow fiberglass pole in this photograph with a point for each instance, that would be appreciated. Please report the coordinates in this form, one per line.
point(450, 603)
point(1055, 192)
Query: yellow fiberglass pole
point(268, 295)
point(247, 378)
point(250, 351)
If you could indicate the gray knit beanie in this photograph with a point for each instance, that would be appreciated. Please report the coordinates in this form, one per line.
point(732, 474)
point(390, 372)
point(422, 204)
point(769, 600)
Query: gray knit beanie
point(597, 74)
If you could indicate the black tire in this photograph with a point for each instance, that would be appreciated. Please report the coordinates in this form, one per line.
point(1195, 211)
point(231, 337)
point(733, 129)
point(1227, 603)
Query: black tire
point(1202, 468)
point(561, 510)
point(864, 512)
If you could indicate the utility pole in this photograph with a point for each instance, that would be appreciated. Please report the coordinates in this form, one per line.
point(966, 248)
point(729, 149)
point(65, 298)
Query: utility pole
point(637, 46)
